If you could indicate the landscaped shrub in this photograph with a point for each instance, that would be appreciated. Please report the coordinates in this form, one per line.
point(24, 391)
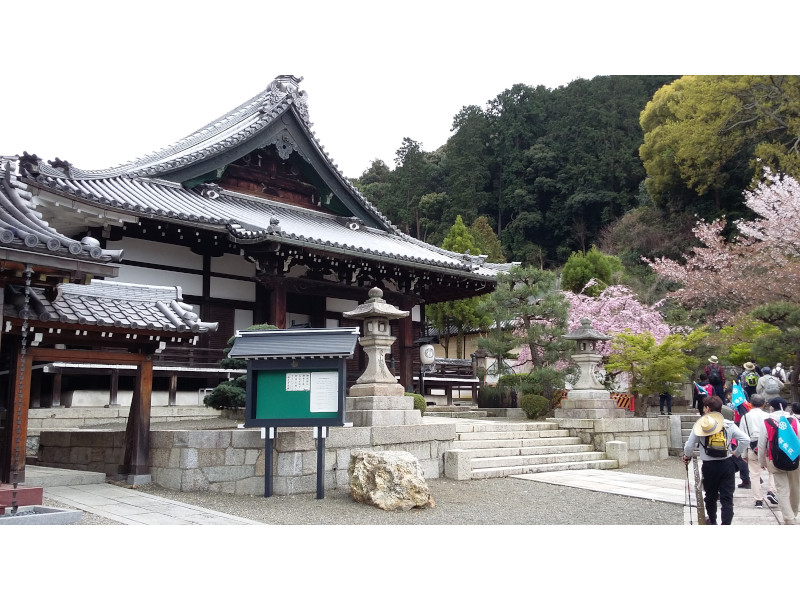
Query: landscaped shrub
point(489, 397)
point(240, 363)
point(228, 394)
point(419, 402)
point(534, 406)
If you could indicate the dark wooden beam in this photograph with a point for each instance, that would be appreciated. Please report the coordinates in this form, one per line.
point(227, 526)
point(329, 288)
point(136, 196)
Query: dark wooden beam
point(137, 431)
point(13, 468)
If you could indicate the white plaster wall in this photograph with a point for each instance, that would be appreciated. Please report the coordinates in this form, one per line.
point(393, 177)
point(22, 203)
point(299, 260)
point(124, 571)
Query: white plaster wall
point(242, 319)
point(189, 284)
point(339, 305)
point(157, 253)
point(233, 289)
point(233, 264)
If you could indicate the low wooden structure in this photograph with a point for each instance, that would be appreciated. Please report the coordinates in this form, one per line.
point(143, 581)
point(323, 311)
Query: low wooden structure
point(52, 312)
point(449, 374)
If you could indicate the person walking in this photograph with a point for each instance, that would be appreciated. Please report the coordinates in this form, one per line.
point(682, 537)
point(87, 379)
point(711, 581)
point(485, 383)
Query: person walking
point(754, 427)
point(716, 376)
point(714, 434)
point(787, 483)
point(665, 397)
point(779, 372)
point(749, 379)
point(702, 390)
point(769, 386)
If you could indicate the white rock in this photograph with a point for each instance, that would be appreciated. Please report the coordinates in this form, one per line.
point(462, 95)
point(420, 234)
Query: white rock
point(391, 480)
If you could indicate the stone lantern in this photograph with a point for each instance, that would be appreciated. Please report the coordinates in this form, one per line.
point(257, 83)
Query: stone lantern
point(376, 398)
point(586, 356)
point(587, 399)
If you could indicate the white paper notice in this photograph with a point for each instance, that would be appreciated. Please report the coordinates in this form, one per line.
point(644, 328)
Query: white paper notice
point(298, 382)
point(324, 392)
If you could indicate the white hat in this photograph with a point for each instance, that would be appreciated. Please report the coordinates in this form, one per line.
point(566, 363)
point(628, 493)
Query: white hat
point(713, 359)
point(708, 424)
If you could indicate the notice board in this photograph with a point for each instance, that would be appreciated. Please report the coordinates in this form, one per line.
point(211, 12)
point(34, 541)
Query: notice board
point(295, 393)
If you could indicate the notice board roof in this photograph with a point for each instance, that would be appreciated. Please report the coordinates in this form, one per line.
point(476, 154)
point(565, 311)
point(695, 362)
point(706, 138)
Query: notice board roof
point(295, 343)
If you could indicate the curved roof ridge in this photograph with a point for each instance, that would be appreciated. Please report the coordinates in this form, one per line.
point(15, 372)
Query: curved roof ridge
point(280, 95)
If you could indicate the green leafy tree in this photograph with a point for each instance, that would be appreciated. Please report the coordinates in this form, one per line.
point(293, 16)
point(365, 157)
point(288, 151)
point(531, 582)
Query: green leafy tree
point(782, 343)
point(585, 266)
point(529, 311)
point(652, 367)
point(461, 314)
point(487, 241)
point(705, 135)
point(737, 340)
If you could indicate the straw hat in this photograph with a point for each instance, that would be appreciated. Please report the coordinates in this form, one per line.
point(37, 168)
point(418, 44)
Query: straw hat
point(749, 366)
point(708, 424)
point(713, 359)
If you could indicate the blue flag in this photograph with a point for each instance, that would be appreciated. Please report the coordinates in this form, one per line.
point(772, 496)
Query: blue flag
point(787, 438)
point(737, 395)
point(700, 390)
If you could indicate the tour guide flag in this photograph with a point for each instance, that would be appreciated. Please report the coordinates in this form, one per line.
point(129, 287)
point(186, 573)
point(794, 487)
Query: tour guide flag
point(737, 395)
point(787, 439)
point(700, 390)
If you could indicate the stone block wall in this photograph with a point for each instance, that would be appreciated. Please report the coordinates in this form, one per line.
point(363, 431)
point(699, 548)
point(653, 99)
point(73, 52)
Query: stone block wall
point(646, 438)
point(82, 450)
point(232, 461)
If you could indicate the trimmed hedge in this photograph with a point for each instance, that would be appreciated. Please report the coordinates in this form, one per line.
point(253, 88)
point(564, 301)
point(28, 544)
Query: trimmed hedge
point(534, 406)
point(419, 402)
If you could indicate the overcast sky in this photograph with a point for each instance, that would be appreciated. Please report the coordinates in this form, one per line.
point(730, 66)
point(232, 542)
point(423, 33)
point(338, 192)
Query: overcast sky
point(101, 83)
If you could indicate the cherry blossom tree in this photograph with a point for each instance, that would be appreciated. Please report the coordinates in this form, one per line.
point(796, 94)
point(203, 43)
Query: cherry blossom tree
point(760, 264)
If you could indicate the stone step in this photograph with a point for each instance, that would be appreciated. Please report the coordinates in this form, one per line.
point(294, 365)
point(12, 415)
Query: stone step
point(534, 459)
point(471, 414)
point(494, 472)
point(50, 477)
point(514, 443)
point(500, 426)
point(527, 451)
point(511, 435)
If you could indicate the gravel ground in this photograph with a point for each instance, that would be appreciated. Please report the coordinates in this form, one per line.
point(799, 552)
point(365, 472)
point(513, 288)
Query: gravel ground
point(505, 501)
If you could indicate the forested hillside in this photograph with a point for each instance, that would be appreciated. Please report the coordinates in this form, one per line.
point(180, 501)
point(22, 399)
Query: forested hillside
point(628, 163)
point(549, 168)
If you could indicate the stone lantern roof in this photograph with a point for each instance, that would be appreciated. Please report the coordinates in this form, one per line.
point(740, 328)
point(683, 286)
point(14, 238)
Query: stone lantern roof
point(375, 306)
point(586, 333)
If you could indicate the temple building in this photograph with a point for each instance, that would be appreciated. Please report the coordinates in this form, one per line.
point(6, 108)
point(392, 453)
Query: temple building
point(253, 223)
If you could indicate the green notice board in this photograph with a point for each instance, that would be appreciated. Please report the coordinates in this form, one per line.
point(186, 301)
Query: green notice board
point(299, 394)
point(295, 393)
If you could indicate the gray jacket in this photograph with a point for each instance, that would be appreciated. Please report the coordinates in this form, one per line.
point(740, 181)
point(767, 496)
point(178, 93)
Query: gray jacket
point(732, 432)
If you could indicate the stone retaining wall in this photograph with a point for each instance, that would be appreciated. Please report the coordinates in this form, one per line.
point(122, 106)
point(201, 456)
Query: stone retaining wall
point(232, 461)
point(646, 438)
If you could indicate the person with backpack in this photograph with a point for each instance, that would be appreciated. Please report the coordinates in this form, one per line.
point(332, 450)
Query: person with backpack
point(741, 464)
point(779, 372)
point(772, 455)
point(701, 390)
point(768, 386)
point(713, 434)
point(754, 427)
point(749, 379)
point(716, 376)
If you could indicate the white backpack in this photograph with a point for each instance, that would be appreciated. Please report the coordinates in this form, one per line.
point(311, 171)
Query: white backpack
point(772, 385)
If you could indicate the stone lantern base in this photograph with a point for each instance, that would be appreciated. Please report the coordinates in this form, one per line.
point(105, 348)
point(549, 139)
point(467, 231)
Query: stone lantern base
point(377, 404)
point(589, 404)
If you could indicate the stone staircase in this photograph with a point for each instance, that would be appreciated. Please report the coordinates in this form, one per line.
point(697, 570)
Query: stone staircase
point(484, 449)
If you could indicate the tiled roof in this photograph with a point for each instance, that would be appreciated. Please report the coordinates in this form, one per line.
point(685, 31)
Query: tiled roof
point(21, 228)
point(111, 304)
point(250, 219)
point(140, 187)
point(295, 343)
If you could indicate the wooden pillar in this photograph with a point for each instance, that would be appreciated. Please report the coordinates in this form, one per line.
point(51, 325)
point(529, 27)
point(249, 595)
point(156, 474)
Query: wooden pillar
point(55, 397)
point(173, 390)
point(405, 342)
point(13, 469)
point(277, 304)
point(113, 391)
point(137, 432)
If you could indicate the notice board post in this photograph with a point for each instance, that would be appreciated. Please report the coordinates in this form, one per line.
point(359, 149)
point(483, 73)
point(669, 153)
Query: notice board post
point(295, 378)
